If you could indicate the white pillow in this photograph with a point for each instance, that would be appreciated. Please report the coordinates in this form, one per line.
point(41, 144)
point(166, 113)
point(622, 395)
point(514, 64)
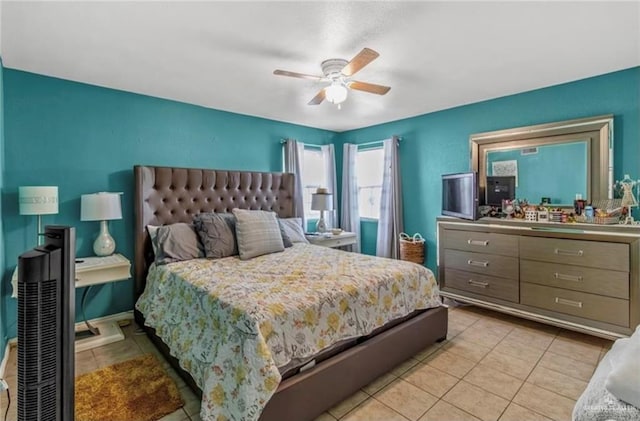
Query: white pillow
point(624, 379)
point(258, 233)
point(293, 228)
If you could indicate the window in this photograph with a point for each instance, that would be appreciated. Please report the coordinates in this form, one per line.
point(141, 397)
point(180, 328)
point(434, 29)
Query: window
point(370, 168)
point(313, 176)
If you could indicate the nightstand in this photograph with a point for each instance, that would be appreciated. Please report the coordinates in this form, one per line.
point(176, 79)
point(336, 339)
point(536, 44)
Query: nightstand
point(329, 240)
point(95, 271)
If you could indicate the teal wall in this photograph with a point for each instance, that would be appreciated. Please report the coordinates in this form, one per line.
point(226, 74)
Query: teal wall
point(3, 316)
point(438, 143)
point(558, 172)
point(86, 139)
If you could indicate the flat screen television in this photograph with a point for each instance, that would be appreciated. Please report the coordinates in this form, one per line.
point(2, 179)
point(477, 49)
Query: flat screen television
point(499, 188)
point(460, 195)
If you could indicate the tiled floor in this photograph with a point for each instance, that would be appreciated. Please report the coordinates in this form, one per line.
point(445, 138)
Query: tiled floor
point(491, 367)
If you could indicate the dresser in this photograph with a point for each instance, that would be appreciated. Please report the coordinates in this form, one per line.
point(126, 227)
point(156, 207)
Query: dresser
point(582, 277)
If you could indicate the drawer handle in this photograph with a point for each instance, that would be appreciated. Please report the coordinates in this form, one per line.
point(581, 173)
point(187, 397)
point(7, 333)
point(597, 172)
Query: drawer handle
point(568, 302)
point(477, 263)
point(477, 283)
point(482, 243)
point(564, 277)
point(569, 252)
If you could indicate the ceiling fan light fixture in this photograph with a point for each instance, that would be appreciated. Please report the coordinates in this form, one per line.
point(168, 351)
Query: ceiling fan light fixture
point(336, 93)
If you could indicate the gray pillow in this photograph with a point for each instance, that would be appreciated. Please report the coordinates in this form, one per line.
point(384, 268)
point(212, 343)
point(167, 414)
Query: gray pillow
point(286, 241)
point(217, 231)
point(177, 242)
point(258, 233)
point(293, 229)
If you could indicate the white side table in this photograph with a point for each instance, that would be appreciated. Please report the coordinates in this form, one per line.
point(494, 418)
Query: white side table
point(329, 240)
point(95, 271)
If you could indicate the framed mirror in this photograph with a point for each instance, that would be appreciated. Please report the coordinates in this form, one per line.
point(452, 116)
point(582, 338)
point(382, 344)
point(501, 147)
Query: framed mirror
point(558, 161)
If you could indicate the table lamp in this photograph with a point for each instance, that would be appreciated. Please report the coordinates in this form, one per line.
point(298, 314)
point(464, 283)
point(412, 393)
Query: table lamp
point(321, 200)
point(38, 200)
point(101, 207)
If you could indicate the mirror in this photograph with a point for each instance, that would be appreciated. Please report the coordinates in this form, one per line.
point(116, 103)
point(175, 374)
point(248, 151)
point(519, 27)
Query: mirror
point(556, 161)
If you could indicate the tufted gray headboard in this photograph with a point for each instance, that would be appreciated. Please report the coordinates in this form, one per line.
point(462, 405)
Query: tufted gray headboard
point(166, 195)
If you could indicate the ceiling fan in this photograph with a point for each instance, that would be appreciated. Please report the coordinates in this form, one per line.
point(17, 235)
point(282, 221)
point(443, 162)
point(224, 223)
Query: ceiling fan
point(338, 73)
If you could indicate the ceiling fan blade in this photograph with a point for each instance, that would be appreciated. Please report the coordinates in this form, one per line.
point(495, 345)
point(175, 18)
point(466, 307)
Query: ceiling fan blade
point(372, 88)
point(318, 98)
point(364, 57)
point(298, 75)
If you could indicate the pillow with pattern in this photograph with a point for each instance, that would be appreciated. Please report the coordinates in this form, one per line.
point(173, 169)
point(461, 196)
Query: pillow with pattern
point(217, 231)
point(258, 233)
point(293, 229)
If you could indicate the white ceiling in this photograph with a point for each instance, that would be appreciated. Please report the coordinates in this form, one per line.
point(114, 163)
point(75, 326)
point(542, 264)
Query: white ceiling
point(434, 55)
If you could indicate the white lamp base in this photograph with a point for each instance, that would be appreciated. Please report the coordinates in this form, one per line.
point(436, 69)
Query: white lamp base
point(321, 225)
point(104, 245)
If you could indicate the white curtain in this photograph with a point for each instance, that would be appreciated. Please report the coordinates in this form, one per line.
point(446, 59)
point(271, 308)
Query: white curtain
point(329, 160)
point(390, 224)
point(350, 215)
point(293, 159)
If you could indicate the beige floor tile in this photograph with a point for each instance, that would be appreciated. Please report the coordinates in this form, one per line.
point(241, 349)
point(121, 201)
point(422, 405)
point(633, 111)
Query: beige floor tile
point(450, 363)
point(454, 329)
point(11, 369)
point(515, 412)
point(508, 364)
point(494, 381)
point(443, 411)
point(326, 417)
point(519, 350)
point(463, 318)
point(566, 365)
point(373, 410)
point(420, 356)
point(116, 352)
point(430, 379)
point(348, 404)
point(178, 415)
point(404, 367)
point(539, 327)
point(485, 337)
point(557, 382)
point(530, 337)
point(545, 402)
point(407, 399)
point(577, 350)
point(584, 338)
point(191, 402)
point(85, 362)
point(466, 349)
point(494, 324)
point(476, 401)
point(379, 383)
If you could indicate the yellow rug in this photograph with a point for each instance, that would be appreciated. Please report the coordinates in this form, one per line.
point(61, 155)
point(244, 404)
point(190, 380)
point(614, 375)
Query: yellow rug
point(134, 390)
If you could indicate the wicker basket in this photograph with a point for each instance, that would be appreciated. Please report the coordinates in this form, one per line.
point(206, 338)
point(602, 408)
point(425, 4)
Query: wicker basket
point(606, 220)
point(412, 248)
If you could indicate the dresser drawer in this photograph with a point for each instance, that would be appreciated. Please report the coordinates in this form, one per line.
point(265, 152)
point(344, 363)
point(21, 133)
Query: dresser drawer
point(486, 264)
point(578, 278)
point(503, 288)
point(581, 304)
point(574, 252)
point(481, 242)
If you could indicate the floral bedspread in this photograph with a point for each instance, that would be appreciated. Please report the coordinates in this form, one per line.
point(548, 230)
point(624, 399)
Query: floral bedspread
point(232, 323)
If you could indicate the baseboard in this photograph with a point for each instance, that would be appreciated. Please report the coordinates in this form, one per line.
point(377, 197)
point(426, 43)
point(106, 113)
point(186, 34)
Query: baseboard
point(110, 318)
point(5, 359)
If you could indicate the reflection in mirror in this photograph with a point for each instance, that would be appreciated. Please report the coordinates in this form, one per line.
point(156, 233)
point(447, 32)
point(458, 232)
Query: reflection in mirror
point(553, 160)
point(555, 171)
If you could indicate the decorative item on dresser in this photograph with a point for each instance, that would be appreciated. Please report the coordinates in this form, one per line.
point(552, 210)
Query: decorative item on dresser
point(38, 200)
point(581, 277)
point(101, 207)
point(321, 200)
point(344, 238)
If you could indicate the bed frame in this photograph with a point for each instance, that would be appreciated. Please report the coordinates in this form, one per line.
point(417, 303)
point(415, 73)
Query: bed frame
point(165, 195)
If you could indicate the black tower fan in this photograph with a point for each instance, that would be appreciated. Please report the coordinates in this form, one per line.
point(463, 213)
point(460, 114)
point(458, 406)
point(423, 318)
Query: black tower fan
point(46, 332)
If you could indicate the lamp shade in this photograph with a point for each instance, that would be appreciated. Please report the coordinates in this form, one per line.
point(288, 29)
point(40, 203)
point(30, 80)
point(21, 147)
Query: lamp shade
point(38, 200)
point(321, 201)
point(100, 207)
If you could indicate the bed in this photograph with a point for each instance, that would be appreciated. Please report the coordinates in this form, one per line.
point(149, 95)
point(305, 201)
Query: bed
point(166, 195)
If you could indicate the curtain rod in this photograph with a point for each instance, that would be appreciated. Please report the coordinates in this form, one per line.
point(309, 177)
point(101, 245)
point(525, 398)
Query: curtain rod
point(398, 138)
